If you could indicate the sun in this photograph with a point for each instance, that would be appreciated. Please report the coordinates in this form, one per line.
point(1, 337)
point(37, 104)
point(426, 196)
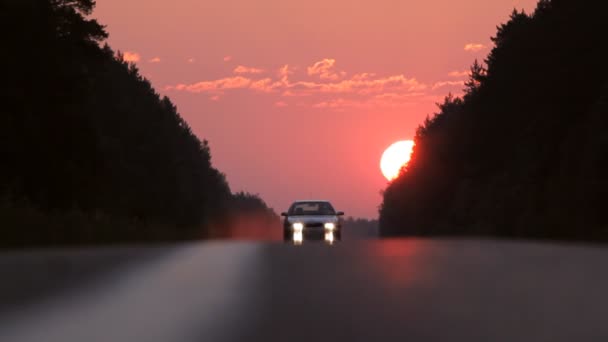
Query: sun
point(396, 157)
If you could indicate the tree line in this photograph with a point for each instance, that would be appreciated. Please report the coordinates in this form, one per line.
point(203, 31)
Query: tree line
point(89, 151)
point(524, 152)
point(354, 228)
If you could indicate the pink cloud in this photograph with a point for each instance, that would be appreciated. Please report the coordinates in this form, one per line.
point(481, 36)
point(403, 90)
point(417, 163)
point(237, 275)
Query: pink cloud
point(355, 86)
point(459, 73)
point(213, 86)
point(264, 85)
point(398, 97)
point(155, 60)
point(363, 76)
point(474, 47)
point(280, 104)
point(247, 70)
point(360, 90)
point(289, 93)
point(442, 84)
point(324, 69)
point(227, 58)
point(131, 57)
point(362, 86)
point(284, 72)
point(341, 104)
point(191, 60)
point(215, 98)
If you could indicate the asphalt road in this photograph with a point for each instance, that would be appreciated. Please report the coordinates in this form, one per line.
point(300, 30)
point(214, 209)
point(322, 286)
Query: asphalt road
point(391, 290)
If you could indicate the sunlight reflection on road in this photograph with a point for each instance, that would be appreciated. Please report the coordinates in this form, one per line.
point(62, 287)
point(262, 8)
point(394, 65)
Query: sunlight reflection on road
point(401, 263)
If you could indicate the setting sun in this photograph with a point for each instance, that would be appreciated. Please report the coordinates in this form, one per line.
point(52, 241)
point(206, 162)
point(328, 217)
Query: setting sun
point(396, 157)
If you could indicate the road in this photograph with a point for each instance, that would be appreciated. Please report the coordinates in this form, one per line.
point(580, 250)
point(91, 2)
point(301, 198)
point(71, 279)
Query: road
point(385, 290)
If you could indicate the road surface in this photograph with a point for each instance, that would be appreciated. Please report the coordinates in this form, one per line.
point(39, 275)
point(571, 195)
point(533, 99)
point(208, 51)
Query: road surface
point(386, 290)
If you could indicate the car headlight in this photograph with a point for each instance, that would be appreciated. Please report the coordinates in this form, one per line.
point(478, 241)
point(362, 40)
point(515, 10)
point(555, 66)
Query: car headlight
point(330, 226)
point(298, 226)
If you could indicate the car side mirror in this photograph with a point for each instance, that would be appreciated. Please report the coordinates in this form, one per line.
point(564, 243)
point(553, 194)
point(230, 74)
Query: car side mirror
point(340, 213)
point(284, 214)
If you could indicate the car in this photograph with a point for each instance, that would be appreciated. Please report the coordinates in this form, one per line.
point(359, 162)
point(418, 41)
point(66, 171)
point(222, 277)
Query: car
point(312, 219)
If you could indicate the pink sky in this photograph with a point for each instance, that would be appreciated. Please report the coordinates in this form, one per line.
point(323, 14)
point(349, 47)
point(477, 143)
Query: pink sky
point(299, 99)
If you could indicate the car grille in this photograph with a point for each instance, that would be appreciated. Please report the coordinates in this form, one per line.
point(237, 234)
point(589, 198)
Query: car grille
point(314, 225)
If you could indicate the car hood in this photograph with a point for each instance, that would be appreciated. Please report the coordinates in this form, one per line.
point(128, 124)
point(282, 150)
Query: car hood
point(312, 219)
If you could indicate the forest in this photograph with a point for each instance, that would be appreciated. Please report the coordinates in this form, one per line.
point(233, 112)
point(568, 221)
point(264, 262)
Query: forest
point(90, 152)
point(524, 152)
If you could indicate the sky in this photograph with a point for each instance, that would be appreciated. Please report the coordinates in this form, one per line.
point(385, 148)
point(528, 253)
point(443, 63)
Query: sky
point(299, 99)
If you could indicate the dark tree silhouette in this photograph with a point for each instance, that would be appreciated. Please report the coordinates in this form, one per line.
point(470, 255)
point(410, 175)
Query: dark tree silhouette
point(359, 228)
point(524, 153)
point(244, 202)
point(249, 217)
point(89, 151)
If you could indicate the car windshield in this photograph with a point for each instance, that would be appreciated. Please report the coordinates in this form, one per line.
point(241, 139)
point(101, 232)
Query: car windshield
point(311, 208)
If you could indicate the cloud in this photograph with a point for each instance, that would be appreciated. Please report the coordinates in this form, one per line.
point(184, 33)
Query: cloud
point(131, 57)
point(227, 83)
point(459, 73)
point(247, 70)
point(280, 104)
point(154, 60)
point(213, 86)
point(361, 86)
point(398, 97)
point(474, 47)
point(443, 84)
point(191, 60)
point(264, 85)
point(323, 69)
point(227, 58)
point(215, 98)
point(289, 93)
point(361, 90)
point(357, 85)
point(341, 104)
point(330, 104)
point(363, 76)
point(383, 100)
point(285, 71)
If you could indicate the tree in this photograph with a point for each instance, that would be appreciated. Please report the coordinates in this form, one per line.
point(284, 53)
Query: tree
point(83, 132)
point(516, 156)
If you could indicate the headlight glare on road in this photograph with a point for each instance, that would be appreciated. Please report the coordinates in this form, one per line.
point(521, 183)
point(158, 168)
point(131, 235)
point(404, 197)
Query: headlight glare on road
point(329, 237)
point(330, 226)
point(298, 226)
point(298, 237)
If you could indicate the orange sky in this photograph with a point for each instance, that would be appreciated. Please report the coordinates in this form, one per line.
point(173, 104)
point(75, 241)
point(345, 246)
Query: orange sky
point(299, 99)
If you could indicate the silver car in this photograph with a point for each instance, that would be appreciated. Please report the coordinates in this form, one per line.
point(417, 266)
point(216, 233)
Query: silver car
point(312, 219)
